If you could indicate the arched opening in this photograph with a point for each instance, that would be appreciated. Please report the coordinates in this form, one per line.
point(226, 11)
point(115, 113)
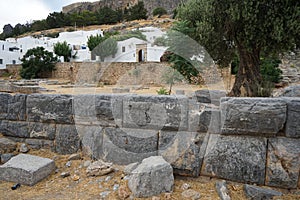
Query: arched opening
point(141, 56)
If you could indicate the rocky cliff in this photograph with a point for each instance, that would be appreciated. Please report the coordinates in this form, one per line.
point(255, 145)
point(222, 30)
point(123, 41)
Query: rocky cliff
point(150, 5)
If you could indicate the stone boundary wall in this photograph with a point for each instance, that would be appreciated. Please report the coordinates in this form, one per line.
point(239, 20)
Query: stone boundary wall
point(145, 73)
point(249, 140)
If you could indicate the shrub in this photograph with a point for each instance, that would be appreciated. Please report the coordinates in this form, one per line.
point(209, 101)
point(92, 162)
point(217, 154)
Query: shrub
point(162, 91)
point(159, 11)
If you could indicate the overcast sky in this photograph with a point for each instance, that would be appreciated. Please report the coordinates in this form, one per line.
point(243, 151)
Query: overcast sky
point(22, 11)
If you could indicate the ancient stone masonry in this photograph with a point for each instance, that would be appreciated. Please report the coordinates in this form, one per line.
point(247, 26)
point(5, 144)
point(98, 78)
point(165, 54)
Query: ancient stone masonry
point(249, 140)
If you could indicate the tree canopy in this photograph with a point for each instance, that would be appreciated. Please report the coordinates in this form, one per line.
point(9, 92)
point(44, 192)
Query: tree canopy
point(63, 49)
point(248, 28)
point(37, 61)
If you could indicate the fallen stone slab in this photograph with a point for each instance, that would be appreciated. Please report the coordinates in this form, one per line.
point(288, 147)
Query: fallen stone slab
point(152, 177)
point(26, 169)
point(259, 193)
point(99, 168)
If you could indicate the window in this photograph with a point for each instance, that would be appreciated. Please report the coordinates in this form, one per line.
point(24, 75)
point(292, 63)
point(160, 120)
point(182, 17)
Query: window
point(1, 61)
point(123, 49)
point(14, 62)
point(3, 47)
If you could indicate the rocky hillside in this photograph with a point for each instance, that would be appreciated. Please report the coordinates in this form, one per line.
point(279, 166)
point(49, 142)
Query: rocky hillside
point(150, 5)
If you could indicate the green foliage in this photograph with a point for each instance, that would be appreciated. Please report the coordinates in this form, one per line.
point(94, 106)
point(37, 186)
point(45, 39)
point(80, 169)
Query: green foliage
point(37, 61)
point(136, 12)
point(63, 49)
point(52, 35)
point(181, 51)
point(137, 34)
point(159, 11)
point(107, 15)
point(162, 91)
point(249, 27)
point(106, 48)
point(160, 41)
point(94, 41)
point(269, 69)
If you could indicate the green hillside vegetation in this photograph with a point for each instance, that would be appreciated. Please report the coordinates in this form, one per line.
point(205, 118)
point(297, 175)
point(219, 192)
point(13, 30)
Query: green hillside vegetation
point(102, 16)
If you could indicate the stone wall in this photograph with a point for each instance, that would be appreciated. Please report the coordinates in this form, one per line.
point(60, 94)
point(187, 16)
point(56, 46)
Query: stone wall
point(145, 73)
point(249, 140)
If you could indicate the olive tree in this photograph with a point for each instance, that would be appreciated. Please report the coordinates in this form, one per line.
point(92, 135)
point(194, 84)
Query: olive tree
point(249, 28)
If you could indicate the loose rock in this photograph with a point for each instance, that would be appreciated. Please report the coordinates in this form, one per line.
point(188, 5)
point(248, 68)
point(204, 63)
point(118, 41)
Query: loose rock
point(123, 192)
point(75, 156)
point(24, 148)
point(222, 190)
point(259, 193)
point(99, 168)
point(190, 194)
point(65, 174)
point(152, 177)
point(7, 145)
point(185, 186)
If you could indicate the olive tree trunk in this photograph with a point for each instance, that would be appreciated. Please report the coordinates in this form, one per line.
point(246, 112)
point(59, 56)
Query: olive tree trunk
point(248, 78)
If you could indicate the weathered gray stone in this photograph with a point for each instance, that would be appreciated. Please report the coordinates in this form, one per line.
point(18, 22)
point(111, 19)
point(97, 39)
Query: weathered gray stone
point(7, 145)
point(91, 140)
point(152, 177)
point(74, 156)
point(109, 109)
point(129, 168)
point(291, 91)
point(4, 98)
point(183, 150)
point(67, 140)
point(24, 148)
point(16, 129)
point(6, 157)
point(292, 127)
point(40, 143)
point(26, 169)
point(209, 96)
point(120, 90)
point(155, 112)
point(17, 107)
point(222, 190)
point(252, 116)
point(259, 193)
point(283, 163)
point(210, 120)
point(190, 194)
point(99, 168)
point(50, 108)
point(236, 158)
point(84, 109)
point(42, 130)
point(124, 146)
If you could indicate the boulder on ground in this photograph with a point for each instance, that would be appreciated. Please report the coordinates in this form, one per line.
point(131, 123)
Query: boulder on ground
point(99, 168)
point(26, 169)
point(259, 193)
point(152, 177)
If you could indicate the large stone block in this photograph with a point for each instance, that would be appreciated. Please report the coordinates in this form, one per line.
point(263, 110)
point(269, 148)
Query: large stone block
point(252, 116)
point(40, 143)
point(258, 193)
point(109, 109)
point(183, 150)
point(283, 163)
point(67, 140)
point(50, 108)
point(91, 140)
point(4, 98)
point(26, 169)
point(236, 158)
point(15, 129)
point(124, 146)
point(210, 96)
point(17, 107)
point(210, 120)
point(152, 177)
point(42, 130)
point(292, 127)
point(155, 112)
